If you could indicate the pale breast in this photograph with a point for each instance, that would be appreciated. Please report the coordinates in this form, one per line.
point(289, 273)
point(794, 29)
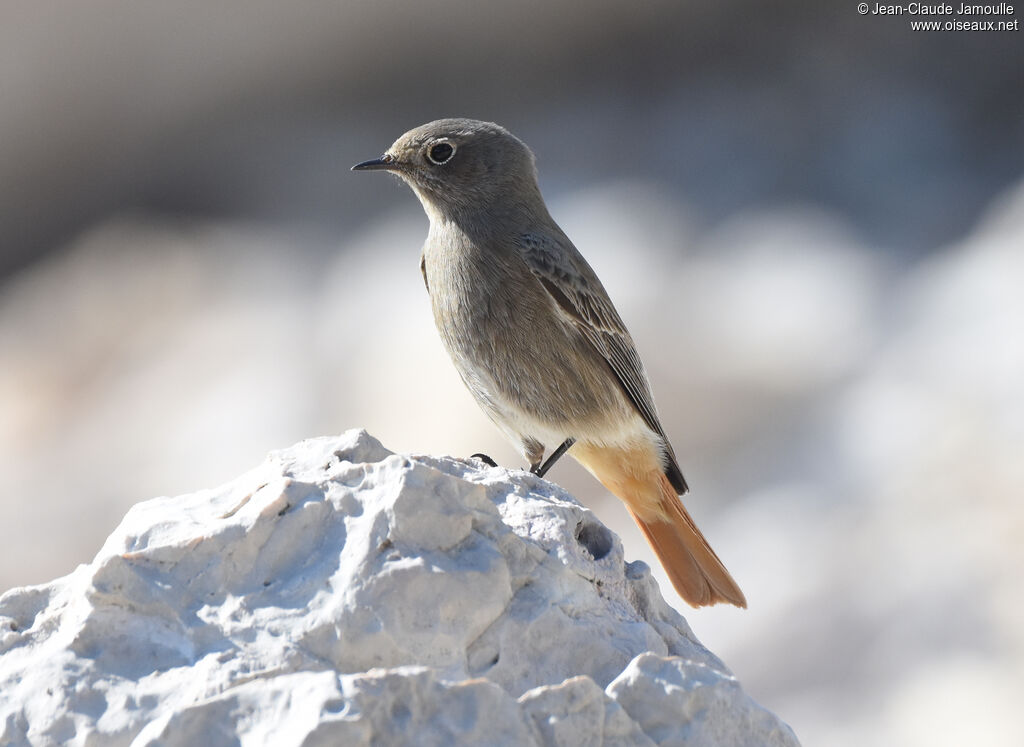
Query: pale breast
point(523, 363)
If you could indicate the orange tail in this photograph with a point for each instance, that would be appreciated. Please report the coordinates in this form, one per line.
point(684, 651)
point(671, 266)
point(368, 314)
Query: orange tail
point(693, 567)
point(635, 476)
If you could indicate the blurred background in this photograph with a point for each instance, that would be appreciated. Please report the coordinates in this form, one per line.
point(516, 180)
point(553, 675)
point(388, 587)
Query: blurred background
point(811, 220)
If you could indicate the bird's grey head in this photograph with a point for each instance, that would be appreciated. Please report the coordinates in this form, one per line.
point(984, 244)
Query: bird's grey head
point(459, 166)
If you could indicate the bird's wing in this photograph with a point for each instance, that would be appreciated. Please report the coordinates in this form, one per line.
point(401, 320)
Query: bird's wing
point(583, 301)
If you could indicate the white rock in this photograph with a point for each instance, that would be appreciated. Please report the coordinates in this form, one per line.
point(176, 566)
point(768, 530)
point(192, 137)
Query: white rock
point(680, 701)
point(342, 594)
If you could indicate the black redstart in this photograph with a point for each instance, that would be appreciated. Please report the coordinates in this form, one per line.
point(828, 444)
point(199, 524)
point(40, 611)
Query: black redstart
point(536, 339)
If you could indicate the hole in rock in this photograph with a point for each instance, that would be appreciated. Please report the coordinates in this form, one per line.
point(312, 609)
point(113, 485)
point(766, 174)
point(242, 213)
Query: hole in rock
point(595, 537)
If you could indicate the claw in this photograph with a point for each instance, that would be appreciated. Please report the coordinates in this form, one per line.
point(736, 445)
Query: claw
point(541, 469)
point(485, 459)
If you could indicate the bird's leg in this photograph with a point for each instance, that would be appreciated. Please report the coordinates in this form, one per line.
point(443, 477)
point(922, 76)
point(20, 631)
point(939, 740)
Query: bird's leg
point(533, 450)
point(485, 459)
point(541, 469)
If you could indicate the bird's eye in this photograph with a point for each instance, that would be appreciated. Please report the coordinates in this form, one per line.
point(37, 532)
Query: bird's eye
point(441, 152)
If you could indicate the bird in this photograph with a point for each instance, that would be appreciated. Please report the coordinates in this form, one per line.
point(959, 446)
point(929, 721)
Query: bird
point(537, 340)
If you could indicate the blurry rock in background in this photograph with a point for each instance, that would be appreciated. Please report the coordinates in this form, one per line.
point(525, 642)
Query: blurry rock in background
point(812, 221)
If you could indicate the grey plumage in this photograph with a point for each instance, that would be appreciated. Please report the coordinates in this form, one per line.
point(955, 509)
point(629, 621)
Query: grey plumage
point(533, 333)
point(579, 295)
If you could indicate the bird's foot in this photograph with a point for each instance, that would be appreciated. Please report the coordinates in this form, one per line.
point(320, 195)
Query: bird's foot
point(485, 459)
point(541, 469)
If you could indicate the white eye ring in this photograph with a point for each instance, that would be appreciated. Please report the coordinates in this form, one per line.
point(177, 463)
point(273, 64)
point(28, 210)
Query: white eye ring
point(440, 152)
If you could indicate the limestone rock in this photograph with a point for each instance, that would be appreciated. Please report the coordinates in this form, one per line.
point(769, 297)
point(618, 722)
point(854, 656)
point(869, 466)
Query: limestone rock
point(342, 594)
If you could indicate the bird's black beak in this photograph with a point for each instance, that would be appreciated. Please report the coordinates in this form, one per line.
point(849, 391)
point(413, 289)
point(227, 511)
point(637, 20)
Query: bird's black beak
point(385, 163)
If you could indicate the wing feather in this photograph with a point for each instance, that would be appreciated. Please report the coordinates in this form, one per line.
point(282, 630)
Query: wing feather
point(578, 292)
